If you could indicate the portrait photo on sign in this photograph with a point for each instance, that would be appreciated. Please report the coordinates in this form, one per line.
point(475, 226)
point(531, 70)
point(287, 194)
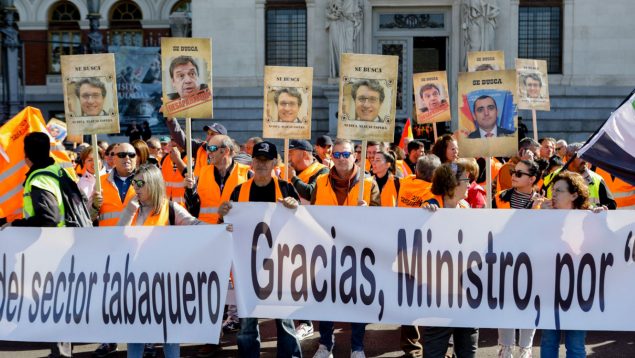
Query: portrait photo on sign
point(487, 113)
point(287, 104)
point(187, 76)
point(57, 129)
point(367, 100)
point(431, 97)
point(90, 96)
point(533, 85)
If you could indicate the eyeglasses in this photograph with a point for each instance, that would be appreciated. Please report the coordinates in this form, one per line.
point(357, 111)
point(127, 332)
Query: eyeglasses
point(213, 148)
point(338, 155)
point(371, 100)
point(467, 180)
point(87, 96)
point(519, 174)
point(138, 183)
point(130, 155)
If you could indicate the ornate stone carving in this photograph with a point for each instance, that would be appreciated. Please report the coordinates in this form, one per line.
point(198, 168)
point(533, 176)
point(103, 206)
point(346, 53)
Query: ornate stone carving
point(479, 24)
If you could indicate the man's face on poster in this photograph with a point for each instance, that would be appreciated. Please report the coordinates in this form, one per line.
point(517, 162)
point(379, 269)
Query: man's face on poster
point(288, 107)
point(185, 79)
point(91, 100)
point(532, 87)
point(486, 113)
point(367, 103)
point(431, 98)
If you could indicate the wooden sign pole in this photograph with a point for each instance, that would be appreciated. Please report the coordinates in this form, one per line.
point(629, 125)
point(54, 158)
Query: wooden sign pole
point(488, 182)
point(535, 124)
point(286, 159)
point(97, 163)
point(188, 145)
point(362, 167)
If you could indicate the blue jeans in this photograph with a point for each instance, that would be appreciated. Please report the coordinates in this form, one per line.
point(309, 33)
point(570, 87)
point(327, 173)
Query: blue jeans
point(573, 341)
point(248, 338)
point(357, 335)
point(170, 350)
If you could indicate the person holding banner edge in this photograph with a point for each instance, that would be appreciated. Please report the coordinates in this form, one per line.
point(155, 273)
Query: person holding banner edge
point(264, 187)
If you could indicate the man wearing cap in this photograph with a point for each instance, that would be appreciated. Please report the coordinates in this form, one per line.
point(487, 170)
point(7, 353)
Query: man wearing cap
point(323, 148)
point(264, 187)
point(215, 182)
point(178, 136)
point(304, 169)
point(340, 187)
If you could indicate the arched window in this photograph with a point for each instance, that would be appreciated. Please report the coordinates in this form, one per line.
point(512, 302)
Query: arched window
point(125, 24)
point(182, 6)
point(285, 33)
point(64, 34)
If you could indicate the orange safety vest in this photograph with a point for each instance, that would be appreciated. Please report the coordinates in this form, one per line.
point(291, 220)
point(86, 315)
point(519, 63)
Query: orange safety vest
point(623, 192)
point(310, 171)
point(160, 219)
point(413, 192)
point(500, 203)
point(437, 199)
point(405, 169)
point(326, 196)
point(389, 192)
point(112, 207)
point(201, 160)
point(174, 181)
point(210, 194)
point(245, 190)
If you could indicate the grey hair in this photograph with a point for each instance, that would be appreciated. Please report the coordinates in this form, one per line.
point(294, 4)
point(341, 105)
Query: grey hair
point(426, 164)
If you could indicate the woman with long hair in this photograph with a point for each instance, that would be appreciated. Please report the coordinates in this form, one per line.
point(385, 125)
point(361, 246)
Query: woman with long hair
point(446, 148)
point(151, 207)
point(383, 165)
point(525, 176)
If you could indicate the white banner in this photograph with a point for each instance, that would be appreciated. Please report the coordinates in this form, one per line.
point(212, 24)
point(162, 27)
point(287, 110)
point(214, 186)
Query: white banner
point(463, 268)
point(114, 284)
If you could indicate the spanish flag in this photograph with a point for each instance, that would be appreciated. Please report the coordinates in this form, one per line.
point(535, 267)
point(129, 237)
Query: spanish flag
point(12, 165)
point(406, 133)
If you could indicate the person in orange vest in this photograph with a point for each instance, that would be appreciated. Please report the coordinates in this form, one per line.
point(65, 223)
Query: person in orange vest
point(340, 187)
point(414, 190)
point(521, 196)
point(173, 168)
point(446, 148)
point(449, 186)
point(116, 190)
point(215, 182)
point(372, 147)
point(151, 207)
point(264, 187)
point(198, 147)
point(528, 149)
point(304, 169)
point(415, 150)
point(384, 174)
point(623, 192)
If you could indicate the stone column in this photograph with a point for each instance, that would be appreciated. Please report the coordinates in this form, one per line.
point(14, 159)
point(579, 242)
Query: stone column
point(11, 45)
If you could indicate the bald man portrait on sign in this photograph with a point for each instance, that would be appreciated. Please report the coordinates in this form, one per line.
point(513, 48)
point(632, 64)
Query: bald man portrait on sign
point(486, 116)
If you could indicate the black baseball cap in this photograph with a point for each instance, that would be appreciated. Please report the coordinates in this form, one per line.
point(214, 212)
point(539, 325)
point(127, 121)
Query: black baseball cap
point(265, 149)
point(216, 127)
point(323, 141)
point(300, 144)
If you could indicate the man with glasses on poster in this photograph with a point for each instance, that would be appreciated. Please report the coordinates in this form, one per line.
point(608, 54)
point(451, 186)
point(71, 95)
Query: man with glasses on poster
point(368, 95)
point(288, 100)
point(91, 93)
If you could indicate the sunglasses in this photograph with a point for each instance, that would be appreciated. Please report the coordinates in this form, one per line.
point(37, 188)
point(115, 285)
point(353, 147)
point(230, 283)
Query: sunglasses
point(213, 148)
point(519, 174)
point(338, 155)
point(138, 183)
point(130, 155)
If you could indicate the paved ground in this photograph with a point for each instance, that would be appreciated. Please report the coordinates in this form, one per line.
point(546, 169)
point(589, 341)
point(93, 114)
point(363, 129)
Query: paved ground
point(380, 341)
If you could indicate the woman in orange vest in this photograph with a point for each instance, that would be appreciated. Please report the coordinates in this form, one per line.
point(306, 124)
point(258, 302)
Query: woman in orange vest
point(449, 186)
point(524, 176)
point(384, 172)
point(151, 207)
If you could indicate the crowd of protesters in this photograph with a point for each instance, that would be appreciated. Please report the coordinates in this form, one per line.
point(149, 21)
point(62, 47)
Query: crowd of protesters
point(145, 182)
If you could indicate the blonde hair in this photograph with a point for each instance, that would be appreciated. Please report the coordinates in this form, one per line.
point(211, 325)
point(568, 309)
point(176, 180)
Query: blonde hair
point(153, 179)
